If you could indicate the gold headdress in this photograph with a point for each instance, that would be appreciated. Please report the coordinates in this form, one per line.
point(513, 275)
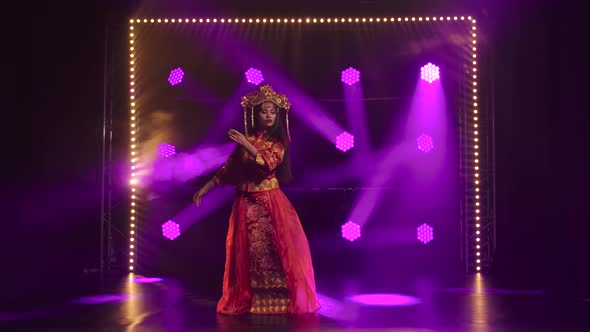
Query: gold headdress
point(265, 94)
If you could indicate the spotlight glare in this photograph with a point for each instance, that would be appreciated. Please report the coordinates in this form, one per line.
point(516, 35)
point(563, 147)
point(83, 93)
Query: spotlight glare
point(170, 230)
point(430, 73)
point(350, 76)
point(425, 233)
point(351, 231)
point(166, 150)
point(344, 141)
point(425, 143)
point(254, 76)
point(175, 76)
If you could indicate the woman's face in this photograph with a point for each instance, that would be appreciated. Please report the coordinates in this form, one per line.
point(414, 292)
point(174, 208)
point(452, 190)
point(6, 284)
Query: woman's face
point(267, 115)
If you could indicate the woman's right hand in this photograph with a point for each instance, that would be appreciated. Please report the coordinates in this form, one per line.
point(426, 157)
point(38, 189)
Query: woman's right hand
point(199, 194)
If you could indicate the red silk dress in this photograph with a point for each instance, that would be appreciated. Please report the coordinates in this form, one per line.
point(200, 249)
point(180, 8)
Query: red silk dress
point(268, 267)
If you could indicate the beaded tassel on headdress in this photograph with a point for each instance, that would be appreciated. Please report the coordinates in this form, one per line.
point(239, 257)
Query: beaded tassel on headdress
point(245, 122)
point(252, 116)
point(287, 121)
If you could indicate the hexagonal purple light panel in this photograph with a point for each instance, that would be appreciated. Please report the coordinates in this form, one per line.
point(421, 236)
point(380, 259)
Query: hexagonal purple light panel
point(350, 76)
point(425, 143)
point(171, 230)
point(175, 76)
point(429, 73)
point(166, 150)
point(425, 233)
point(344, 141)
point(351, 231)
point(254, 76)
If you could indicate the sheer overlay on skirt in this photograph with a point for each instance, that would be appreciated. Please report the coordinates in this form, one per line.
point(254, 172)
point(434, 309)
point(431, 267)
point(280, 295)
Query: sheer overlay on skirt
point(268, 267)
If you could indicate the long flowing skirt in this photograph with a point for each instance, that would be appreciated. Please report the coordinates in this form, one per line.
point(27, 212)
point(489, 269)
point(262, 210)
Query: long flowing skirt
point(268, 267)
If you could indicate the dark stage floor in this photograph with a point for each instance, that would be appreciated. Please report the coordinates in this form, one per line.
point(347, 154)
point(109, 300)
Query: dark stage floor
point(470, 303)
